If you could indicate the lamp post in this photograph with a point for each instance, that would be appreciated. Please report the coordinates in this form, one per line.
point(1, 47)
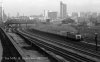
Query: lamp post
point(96, 39)
point(25, 21)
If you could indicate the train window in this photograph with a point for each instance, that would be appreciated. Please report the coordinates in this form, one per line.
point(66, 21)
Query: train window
point(68, 32)
point(78, 36)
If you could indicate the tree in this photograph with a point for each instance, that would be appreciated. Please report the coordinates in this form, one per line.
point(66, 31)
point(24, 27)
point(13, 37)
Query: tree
point(67, 20)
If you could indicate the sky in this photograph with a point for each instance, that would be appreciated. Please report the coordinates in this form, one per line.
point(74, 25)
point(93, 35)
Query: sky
point(36, 7)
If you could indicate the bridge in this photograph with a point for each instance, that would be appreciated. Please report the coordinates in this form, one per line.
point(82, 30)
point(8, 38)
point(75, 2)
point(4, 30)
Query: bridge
point(18, 22)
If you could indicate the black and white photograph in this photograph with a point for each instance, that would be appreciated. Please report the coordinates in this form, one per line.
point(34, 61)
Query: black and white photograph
point(49, 30)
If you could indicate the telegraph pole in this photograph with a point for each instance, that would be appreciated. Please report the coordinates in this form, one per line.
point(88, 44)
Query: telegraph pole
point(1, 9)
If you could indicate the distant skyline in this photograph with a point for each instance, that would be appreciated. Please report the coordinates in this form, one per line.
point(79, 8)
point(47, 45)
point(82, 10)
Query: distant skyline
point(36, 7)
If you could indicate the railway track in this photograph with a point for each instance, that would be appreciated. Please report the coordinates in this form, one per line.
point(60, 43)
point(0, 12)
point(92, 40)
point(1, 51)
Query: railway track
point(10, 53)
point(50, 55)
point(60, 40)
point(29, 49)
point(80, 48)
point(59, 49)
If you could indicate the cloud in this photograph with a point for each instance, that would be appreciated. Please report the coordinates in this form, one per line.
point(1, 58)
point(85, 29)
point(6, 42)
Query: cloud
point(37, 6)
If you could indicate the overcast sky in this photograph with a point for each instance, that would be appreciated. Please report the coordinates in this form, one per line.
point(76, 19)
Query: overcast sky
point(35, 7)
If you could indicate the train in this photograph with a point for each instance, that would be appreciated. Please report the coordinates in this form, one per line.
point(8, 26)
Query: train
point(72, 35)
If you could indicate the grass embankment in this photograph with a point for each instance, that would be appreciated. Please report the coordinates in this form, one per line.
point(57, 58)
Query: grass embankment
point(54, 28)
point(87, 32)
